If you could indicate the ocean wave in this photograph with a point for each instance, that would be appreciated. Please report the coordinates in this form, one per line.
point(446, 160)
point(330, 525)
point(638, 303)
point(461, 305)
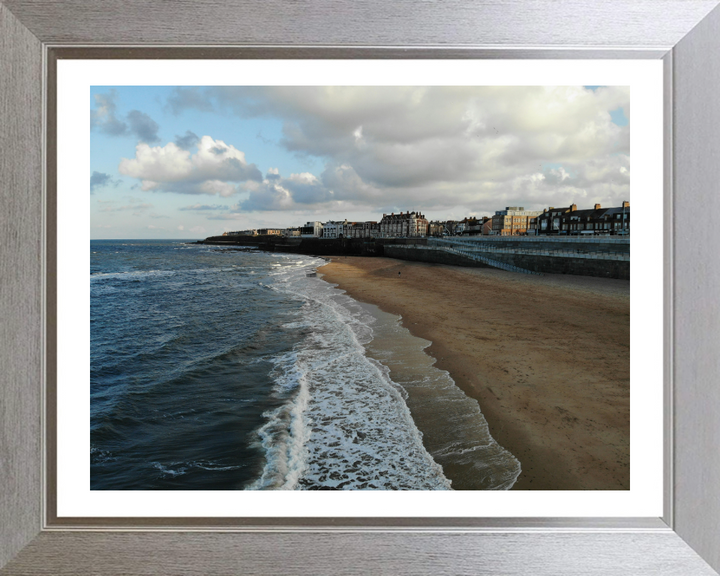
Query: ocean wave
point(139, 274)
point(458, 434)
point(344, 424)
point(284, 435)
point(173, 469)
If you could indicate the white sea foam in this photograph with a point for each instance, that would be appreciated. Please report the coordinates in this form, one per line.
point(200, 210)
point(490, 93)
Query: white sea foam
point(133, 275)
point(172, 469)
point(460, 435)
point(345, 423)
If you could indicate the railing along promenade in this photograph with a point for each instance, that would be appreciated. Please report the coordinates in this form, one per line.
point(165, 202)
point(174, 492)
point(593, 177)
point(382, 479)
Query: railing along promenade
point(472, 255)
point(483, 246)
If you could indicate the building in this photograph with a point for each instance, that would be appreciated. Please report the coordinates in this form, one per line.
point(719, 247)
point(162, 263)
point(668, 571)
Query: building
point(291, 232)
point(461, 227)
point(334, 229)
point(513, 221)
point(472, 226)
point(252, 232)
point(449, 227)
point(311, 230)
point(487, 226)
point(403, 225)
point(571, 221)
point(270, 231)
point(362, 230)
point(436, 229)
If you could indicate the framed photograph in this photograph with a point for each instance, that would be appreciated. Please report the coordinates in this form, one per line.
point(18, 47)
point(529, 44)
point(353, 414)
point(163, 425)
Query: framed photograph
point(278, 131)
point(310, 409)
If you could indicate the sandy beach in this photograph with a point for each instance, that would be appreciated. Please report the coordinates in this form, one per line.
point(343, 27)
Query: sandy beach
point(547, 358)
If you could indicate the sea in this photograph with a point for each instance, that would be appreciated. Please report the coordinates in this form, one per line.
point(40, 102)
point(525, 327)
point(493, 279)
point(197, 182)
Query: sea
point(223, 368)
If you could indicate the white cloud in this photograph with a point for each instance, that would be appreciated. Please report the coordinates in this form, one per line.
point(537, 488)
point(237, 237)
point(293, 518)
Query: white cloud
point(181, 227)
point(212, 170)
point(267, 196)
point(429, 147)
point(203, 207)
point(137, 207)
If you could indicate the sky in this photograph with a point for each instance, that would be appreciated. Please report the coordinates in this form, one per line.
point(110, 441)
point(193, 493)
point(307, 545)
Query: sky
point(192, 162)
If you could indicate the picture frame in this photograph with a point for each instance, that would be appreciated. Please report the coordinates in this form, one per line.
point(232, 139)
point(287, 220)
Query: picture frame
point(684, 34)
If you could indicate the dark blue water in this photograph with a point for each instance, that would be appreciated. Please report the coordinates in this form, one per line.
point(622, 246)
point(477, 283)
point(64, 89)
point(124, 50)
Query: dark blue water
point(220, 369)
point(182, 342)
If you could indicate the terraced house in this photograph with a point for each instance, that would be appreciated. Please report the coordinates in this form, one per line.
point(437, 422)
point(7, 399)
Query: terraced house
point(595, 221)
point(405, 224)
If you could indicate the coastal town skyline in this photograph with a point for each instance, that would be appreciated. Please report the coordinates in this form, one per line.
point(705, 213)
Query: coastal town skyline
point(512, 221)
point(192, 162)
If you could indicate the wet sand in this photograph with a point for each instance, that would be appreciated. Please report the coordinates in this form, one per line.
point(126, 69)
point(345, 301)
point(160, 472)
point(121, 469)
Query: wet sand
point(547, 358)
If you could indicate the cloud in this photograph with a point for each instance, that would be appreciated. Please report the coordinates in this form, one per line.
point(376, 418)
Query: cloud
point(431, 147)
point(278, 193)
point(181, 227)
point(105, 119)
point(436, 146)
point(204, 207)
point(101, 180)
point(233, 216)
point(137, 208)
point(188, 141)
point(182, 99)
point(144, 127)
point(303, 190)
point(267, 196)
point(214, 169)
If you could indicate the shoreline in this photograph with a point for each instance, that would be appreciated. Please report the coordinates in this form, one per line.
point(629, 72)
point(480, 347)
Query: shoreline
point(546, 358)
point(454, 431)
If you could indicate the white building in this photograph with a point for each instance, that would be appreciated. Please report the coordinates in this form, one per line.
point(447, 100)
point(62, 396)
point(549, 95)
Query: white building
point(334, 229)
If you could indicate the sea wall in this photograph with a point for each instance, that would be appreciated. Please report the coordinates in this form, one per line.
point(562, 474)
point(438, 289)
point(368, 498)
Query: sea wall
point(601, 258)
point(587, 245)
point(431, 255)
point(546, 264)
point(309, 246)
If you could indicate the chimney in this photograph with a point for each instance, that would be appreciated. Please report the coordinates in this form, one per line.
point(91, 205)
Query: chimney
point(626, 204)
point(597, 206)
point(573, 207)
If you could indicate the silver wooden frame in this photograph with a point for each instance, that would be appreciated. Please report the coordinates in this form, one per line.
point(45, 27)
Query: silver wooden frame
point(684, 33)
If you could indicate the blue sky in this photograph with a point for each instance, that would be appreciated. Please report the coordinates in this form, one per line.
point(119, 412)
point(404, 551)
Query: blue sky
point(189, 162)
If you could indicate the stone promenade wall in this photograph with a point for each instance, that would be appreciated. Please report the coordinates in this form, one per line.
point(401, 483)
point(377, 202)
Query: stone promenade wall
point(545, 264)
